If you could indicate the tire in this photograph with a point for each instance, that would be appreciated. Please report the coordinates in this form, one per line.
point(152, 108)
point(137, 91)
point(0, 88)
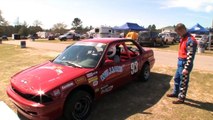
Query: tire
point(78, 106)
point(145, 73)
point(165, 42)
point(173, 41)
point(154, 44)
point(162, 44)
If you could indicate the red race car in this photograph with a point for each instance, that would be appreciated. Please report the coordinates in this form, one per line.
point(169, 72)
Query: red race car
point(83, 72)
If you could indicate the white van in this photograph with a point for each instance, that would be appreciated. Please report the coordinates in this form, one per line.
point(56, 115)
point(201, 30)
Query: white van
point(168, 38)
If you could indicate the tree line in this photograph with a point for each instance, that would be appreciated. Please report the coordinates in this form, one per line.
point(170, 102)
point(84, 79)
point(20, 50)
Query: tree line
point(24, 29)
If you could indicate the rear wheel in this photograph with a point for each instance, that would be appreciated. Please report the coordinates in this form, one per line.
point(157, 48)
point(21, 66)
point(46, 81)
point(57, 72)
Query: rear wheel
point(173, 41)
point(162, 44)
point(145, 73)
point(78, 106)
point(154, 44)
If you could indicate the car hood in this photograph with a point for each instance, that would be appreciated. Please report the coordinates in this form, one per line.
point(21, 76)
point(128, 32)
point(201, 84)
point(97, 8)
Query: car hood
point(45, 77)
point(62, 36)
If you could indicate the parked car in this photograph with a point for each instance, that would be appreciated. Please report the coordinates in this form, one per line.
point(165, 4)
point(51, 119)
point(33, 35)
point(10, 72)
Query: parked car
point(168, 38)
point(69, 35)
point(23, 37)
point(33, 36)
point(4, 37)
point(83, 72)
point(151, 38)
point(198, 37)
point(51, 37)
point(176, 37)
point(211, 38)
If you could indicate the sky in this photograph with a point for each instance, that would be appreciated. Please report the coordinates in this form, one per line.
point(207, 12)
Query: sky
point(112, 13)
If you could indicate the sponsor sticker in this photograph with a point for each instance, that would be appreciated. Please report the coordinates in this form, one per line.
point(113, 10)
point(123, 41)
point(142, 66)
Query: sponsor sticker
point(95, 83)
point(94, 78)
point(92, 74)
point(67, 85)
point(80, 80)
point(106, 89)
point(56, 92)
point(110, 71)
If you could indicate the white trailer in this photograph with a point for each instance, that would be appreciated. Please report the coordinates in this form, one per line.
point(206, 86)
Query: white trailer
point(103, 32)
point(42, 34)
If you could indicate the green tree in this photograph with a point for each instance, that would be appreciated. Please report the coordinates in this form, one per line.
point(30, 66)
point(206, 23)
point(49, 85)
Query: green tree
point(152, 27)
point(23, 29)
point(6, 30)
point(17, 28)
point(77, 25)
point(149, 27)
point(34, 29)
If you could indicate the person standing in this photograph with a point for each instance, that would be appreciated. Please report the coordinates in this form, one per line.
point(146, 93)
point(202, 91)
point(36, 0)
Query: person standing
point(186, 55)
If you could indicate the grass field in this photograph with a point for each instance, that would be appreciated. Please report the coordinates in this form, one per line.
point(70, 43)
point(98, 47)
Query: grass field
point(14, 59)
point(136, 101)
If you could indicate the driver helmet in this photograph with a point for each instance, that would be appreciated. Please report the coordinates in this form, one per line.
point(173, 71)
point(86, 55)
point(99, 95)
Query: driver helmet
point(111, 51)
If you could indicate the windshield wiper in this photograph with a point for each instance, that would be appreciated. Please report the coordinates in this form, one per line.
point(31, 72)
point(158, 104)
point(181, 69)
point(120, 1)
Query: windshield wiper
point(71, 64)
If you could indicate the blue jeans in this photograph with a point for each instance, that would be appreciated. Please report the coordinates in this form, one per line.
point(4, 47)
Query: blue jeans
point(181, 81)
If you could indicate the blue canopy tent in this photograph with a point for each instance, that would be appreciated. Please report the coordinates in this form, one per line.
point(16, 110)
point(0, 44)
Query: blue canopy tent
point(130, 26)
point(198, 29)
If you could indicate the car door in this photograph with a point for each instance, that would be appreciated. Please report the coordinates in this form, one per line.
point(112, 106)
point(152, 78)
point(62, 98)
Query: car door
point(135, 59)
point(114, 74)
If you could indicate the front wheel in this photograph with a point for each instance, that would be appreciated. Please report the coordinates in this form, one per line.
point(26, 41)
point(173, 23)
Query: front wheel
point(78, 106)
point(145, 73)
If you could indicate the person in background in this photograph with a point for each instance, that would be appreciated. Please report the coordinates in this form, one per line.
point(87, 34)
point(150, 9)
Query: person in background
point(186, 55)
point(132, 35)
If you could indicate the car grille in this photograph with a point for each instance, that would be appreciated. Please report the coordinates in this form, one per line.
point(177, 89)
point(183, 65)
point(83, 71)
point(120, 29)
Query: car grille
point(34, 98)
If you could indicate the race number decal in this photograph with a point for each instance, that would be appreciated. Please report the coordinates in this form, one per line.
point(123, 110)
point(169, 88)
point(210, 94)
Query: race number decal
point(134, 67)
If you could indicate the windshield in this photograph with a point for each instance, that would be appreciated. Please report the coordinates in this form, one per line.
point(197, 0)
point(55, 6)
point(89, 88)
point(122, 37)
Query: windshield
point(198, 36)
point(173, 34)
point(81, 54)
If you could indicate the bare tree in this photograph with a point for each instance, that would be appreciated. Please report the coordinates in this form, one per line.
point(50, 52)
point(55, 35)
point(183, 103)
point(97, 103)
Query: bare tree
point(37, 23)
point(59, 28)
point(3, 22)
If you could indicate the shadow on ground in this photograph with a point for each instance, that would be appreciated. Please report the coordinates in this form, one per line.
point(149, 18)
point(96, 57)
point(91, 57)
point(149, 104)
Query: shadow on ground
point(131, 99)
point(198, 104)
